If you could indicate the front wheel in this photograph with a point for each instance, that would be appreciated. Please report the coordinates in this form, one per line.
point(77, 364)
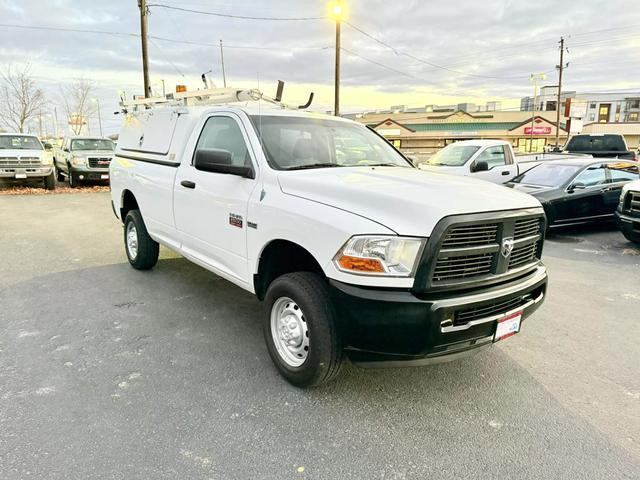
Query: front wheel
point(50, 181)
point(142, 250)
point(301, 329)
point(73, 181)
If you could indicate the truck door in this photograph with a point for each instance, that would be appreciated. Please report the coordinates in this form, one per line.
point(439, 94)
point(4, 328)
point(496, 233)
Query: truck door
point(501, 165)
point(211, 208)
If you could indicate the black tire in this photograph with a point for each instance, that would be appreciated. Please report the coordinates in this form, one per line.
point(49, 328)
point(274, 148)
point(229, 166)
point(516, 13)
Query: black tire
point(73, 181)
point(50, 181)
point(325, 351)
point(59, 175)
point(147, 248)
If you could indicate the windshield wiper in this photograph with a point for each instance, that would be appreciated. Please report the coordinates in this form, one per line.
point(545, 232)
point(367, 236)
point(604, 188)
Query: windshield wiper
point(378, 165)
point(313, 165)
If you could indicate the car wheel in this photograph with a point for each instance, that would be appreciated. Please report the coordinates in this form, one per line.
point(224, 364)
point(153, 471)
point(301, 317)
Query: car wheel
point(50, 181)
point(73, 182)
point(142, 250)
point(59, 175)
point(301, 329)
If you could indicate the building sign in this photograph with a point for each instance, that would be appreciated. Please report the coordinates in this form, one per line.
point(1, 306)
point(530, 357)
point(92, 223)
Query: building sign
point(537, 130)
point(388, 132)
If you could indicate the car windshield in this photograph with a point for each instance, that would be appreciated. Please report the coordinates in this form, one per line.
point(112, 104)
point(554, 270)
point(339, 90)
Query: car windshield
point(92, 144)
point(19, 142)
point(453, 155)
point(596, 143)
point(295, 143)
point(547, 175)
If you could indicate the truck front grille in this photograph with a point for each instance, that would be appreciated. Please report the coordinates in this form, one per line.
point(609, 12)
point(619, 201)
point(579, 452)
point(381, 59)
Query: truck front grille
point(99, 162)
point(632, 204)
point(462, 317)
point(22, 162)
point(476, 251)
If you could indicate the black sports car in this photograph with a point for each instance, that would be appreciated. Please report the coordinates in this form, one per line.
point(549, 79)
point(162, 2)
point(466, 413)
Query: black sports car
point(577, 190)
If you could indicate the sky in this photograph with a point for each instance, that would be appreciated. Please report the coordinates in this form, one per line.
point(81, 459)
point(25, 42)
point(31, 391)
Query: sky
point(403, 52)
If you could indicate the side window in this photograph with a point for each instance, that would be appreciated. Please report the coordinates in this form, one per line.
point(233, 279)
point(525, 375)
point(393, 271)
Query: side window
point(592, 176)
point(622, 172)
point(223, 133)
point(494, 156)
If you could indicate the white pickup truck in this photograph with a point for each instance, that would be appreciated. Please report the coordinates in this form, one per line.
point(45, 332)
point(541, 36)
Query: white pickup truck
point(354, 251)
point(492, 160)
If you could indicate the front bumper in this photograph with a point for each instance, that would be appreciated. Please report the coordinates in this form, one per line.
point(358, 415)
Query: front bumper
point(398, 328)
point(629, 226)
point(92, 174)
point(19, 173)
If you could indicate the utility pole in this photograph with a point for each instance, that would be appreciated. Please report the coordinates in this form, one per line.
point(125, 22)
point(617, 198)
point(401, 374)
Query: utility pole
point(163, 91)
point(560, 69)
point(337, 16)
point(224, 76)
point(99, 116)
point(142, 4)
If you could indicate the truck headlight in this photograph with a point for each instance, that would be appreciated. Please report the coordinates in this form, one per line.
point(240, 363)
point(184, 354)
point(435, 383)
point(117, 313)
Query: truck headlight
point(379, 255)
point(78, 160)
point(47, 159)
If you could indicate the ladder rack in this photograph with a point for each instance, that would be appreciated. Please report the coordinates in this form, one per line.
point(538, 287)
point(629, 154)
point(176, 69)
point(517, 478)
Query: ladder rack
point(208, 96)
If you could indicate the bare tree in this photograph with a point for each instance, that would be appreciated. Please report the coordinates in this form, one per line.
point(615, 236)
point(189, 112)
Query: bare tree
point(78, 104)
point(20, 99)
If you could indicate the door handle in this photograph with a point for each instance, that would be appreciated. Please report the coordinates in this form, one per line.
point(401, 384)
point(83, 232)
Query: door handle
point(505, 172)
point(188, 184)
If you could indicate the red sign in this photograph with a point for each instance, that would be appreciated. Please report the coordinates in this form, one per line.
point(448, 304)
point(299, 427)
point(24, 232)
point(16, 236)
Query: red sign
point(537, 130)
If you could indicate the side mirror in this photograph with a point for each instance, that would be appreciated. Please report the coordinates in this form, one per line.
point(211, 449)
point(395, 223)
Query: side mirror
point(576, 186)
point(219, 161)
point(66, 149)
point(48, 146)
point(480, 166)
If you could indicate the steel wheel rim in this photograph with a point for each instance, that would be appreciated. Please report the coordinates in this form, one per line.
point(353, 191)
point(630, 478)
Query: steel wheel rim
point(132, 240)
point(289, 331)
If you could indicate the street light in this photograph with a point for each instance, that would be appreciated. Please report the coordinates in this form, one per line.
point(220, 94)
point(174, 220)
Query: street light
point(97, 102)
point(337, 13)
point(534, 78)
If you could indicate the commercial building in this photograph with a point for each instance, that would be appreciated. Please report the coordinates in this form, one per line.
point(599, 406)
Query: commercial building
point(416, 132)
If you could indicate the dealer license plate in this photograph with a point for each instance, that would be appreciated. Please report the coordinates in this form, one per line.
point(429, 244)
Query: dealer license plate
point(104, 177)
point(508, 326)
point(21, 175)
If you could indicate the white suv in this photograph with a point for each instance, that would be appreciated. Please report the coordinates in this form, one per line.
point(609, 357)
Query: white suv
point(353, 249)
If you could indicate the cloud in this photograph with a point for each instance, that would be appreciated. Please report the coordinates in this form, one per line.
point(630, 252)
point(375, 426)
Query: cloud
point(492, 38)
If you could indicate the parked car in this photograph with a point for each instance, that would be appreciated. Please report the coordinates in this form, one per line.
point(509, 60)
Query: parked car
point(600, 145)
point(352, 249)
point(628, 213)
point(576, 191)
point(84, 158)
point(23, 157)
point(492, 160)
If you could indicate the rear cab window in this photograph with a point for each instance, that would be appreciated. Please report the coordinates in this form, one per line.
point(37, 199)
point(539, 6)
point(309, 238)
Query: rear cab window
point(596, 143)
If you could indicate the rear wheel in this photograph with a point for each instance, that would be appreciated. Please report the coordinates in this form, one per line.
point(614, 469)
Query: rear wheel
point(142, 250)
point(59, 175)
point(301, 329)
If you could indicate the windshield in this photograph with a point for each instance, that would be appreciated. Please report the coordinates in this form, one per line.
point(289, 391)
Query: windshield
point(92, 144)
point(292, 143)
point(596, 143)
point(453, 155)
point(19, 142)
point(547, 175)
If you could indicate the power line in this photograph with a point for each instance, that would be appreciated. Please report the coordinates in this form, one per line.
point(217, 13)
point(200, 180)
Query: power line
point(426, 62)
point(226, 15)
point(73, 30)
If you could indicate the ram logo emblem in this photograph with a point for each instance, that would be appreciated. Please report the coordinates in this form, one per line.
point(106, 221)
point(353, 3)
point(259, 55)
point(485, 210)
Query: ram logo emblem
point(507, 246)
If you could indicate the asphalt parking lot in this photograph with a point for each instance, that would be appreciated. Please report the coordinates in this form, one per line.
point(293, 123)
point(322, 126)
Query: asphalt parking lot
point(108, 372)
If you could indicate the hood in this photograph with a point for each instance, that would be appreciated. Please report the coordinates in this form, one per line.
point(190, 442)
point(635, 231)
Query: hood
point(19, 152)
point(405, 200)
point(93, 153)
point(441, 168)
point(530, 189)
